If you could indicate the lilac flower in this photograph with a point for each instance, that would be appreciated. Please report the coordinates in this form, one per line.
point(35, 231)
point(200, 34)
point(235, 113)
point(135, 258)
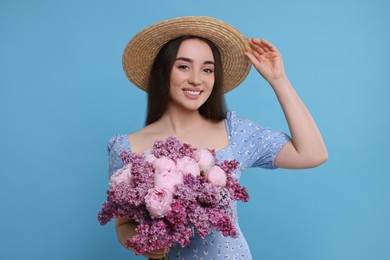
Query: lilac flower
point(200, 219)
point(209, 195)
point(177, 215)
point(185, 194)
point(181, 234)
point(172, 148)
point(236, 191)
point(150, 237)
point(222, 222)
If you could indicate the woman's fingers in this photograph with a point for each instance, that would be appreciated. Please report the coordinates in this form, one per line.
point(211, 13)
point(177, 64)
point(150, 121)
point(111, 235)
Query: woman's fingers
point(269, 45)
point(252, 57)
point(266, 58)
point(256, 46)
point(156, 254)
point(262, 46)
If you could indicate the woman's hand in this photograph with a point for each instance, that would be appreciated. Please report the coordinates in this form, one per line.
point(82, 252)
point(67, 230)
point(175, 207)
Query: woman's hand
point(125, 229)
point(156, 254)
point(266, 58)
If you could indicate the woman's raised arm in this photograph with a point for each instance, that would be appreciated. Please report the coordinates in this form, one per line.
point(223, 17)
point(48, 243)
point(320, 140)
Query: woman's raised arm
point(306, 148)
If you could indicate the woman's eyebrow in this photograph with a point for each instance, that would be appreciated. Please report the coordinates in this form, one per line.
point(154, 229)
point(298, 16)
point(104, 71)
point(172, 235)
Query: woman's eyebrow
point(191, 61)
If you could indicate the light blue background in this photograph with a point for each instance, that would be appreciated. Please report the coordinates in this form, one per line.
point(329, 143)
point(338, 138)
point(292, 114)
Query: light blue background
point(63, 94)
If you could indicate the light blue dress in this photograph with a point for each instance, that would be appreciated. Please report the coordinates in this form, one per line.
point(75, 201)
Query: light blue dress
point(252, 146)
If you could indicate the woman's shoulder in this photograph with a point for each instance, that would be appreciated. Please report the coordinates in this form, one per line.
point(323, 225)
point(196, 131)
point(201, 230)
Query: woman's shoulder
point(143, 139)
point(118, 142)
point(235, 123)
point(125, 141)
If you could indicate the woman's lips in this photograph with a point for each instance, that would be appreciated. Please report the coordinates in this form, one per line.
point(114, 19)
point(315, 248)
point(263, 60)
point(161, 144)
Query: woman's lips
point(192, 94)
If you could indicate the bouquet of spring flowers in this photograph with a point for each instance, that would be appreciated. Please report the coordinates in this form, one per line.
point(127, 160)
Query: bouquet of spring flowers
point(171, 190)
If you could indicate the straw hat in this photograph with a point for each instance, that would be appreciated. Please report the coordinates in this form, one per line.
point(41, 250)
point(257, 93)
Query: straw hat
point(141, 51)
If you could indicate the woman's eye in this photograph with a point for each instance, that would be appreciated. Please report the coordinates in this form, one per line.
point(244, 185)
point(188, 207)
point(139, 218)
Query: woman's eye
point(208, 70)
point(183, 67)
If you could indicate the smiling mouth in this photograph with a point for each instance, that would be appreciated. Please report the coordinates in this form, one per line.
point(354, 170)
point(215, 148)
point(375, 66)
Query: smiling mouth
point(191, 92)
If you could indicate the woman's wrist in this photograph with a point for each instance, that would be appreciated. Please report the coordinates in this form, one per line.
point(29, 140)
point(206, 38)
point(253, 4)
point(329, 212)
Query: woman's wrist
point(279, 83)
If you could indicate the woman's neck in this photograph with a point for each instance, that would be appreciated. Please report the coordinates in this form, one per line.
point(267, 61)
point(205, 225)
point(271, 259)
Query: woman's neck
point(178, 122)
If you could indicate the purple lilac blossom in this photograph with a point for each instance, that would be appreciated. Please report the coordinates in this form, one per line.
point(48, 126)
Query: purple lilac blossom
point(172, 148)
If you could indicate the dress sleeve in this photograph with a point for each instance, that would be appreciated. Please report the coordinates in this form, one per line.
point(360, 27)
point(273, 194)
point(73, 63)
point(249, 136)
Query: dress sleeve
point(115, 145)
point(254, 145)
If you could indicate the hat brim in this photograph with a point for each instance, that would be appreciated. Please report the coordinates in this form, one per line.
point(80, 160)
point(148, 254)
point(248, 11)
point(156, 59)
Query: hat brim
point(141, 51)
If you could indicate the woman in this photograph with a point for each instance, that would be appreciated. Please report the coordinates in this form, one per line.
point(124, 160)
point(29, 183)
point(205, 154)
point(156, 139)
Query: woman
point(186, 65)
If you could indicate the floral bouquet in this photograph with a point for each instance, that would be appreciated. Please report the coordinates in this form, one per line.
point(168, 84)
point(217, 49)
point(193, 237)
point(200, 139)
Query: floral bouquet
point(170, 191)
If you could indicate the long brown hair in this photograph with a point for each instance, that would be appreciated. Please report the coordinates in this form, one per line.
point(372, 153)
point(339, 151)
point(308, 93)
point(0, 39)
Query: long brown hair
point(158, 90)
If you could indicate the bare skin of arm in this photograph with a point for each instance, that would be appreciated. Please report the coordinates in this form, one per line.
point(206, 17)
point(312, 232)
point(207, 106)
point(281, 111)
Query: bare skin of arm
point(306, 148)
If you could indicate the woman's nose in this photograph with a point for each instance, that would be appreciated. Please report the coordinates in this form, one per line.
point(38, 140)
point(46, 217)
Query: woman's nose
point(195, 79)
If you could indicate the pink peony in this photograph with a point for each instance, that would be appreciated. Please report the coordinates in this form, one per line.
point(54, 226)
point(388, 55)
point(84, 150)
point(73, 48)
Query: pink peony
point(216, 176)
point(164, 164)
point(149, 156)
point(204, 158)
point(121, 175)
point(158, 202)
point(168, 179)
point(187, 165)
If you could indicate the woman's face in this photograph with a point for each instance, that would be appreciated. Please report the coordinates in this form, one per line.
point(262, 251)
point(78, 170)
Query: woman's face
point(192, 77)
